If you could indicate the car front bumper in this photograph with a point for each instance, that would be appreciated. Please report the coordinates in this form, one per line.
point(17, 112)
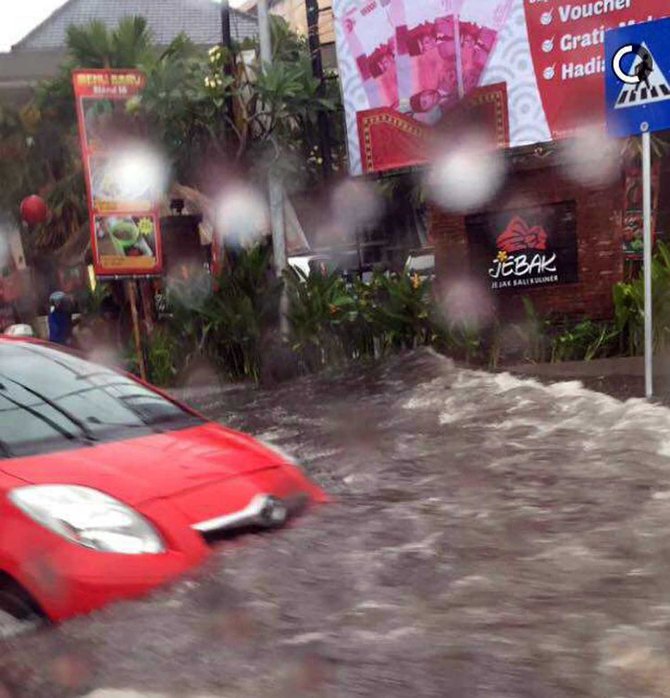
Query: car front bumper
point(68, 580)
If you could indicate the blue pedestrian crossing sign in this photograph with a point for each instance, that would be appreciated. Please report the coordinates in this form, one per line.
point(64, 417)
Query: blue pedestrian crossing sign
point(637, 78)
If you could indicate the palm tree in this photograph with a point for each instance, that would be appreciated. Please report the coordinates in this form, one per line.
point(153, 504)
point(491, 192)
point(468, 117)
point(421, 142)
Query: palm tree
point(42, 138)
point(184, 104)
point(96, 46)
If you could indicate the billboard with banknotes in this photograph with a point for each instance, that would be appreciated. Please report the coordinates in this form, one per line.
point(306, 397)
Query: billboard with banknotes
point(531, 69)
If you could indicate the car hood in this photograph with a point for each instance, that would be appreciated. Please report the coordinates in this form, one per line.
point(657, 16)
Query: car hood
point(150, 467)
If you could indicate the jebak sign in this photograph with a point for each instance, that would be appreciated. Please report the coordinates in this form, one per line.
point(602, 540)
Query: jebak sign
point(525, 248)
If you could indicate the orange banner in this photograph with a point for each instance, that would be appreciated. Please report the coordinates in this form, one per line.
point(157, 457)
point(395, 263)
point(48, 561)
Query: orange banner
point(123, 208)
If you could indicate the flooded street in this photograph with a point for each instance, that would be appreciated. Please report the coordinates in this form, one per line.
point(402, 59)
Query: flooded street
point(491, 537)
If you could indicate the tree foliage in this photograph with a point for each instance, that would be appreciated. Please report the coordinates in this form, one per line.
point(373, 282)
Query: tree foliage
point(186, 106)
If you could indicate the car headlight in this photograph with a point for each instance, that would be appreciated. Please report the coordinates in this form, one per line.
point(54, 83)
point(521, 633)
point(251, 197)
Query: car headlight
point(89, 518)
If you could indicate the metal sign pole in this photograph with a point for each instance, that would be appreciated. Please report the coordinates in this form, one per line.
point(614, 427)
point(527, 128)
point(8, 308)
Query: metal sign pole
point(646, 210)
point(276, 190)
point(137, 331)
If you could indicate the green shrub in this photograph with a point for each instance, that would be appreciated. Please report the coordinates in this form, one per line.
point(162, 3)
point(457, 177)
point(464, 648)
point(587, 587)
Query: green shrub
point(629, 306)
point(534, 334)
point(162, 356)
point(546, 339)
point(586, 340)
point(401, 311)
point(90, 302)
point(320, 308)
point(226, 324)
point(332, 321)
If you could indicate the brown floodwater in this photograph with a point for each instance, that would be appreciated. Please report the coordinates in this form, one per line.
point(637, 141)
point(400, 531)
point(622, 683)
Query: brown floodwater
point(491, 537)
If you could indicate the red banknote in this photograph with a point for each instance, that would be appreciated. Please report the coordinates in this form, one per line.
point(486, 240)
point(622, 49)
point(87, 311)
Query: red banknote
point(371, 39)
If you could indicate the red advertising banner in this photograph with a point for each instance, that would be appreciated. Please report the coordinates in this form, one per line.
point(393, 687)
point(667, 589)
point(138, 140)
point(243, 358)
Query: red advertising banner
point(418, 59)
point(392, 141)
point(123, 207)
point(567, 44)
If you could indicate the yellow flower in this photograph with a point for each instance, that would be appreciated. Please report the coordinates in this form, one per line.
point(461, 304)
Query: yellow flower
point(502, 256)
point(146, 226)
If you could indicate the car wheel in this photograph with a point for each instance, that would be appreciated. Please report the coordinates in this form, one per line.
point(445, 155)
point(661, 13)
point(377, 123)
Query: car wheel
point(18, 613)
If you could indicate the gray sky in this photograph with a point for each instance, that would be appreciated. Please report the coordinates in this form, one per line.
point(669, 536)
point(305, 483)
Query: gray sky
point(18, 17)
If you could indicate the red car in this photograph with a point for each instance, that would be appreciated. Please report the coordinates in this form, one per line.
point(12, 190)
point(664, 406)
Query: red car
point(109, 488)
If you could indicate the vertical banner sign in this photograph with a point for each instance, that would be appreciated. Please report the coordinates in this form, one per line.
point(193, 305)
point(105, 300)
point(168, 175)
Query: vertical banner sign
point(123, 208)
point(525, 248)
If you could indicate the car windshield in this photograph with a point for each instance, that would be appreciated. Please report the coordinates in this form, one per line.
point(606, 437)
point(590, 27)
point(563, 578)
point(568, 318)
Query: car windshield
point(51, 400)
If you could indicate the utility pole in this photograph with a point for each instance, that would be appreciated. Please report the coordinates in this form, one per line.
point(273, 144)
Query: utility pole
point(648, 242)
point(312, 8)
point(276, 191)
point(264, 31)
point(226, 42)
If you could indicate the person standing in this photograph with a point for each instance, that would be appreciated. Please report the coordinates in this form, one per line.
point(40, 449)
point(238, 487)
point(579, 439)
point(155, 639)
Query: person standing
point(60, 319)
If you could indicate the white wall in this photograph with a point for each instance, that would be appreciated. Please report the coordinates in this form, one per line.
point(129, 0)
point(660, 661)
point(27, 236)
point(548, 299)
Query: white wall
point(10, 243)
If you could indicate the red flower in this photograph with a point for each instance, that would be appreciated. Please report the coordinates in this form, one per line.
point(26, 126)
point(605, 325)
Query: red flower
point(537, 238)
point(518, 237)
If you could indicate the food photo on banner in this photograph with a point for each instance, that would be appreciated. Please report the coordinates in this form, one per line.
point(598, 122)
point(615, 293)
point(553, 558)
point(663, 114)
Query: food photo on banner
point(113, 190)
point(542, 62)
point(123, 207)
point(124, 241)
point(525, 248)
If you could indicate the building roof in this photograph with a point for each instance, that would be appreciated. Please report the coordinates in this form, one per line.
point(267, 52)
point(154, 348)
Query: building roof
point(199, 19)
point(252, 5)
point(20, 72)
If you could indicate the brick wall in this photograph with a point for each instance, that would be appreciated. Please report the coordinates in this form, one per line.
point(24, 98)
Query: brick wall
point(598, 237)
